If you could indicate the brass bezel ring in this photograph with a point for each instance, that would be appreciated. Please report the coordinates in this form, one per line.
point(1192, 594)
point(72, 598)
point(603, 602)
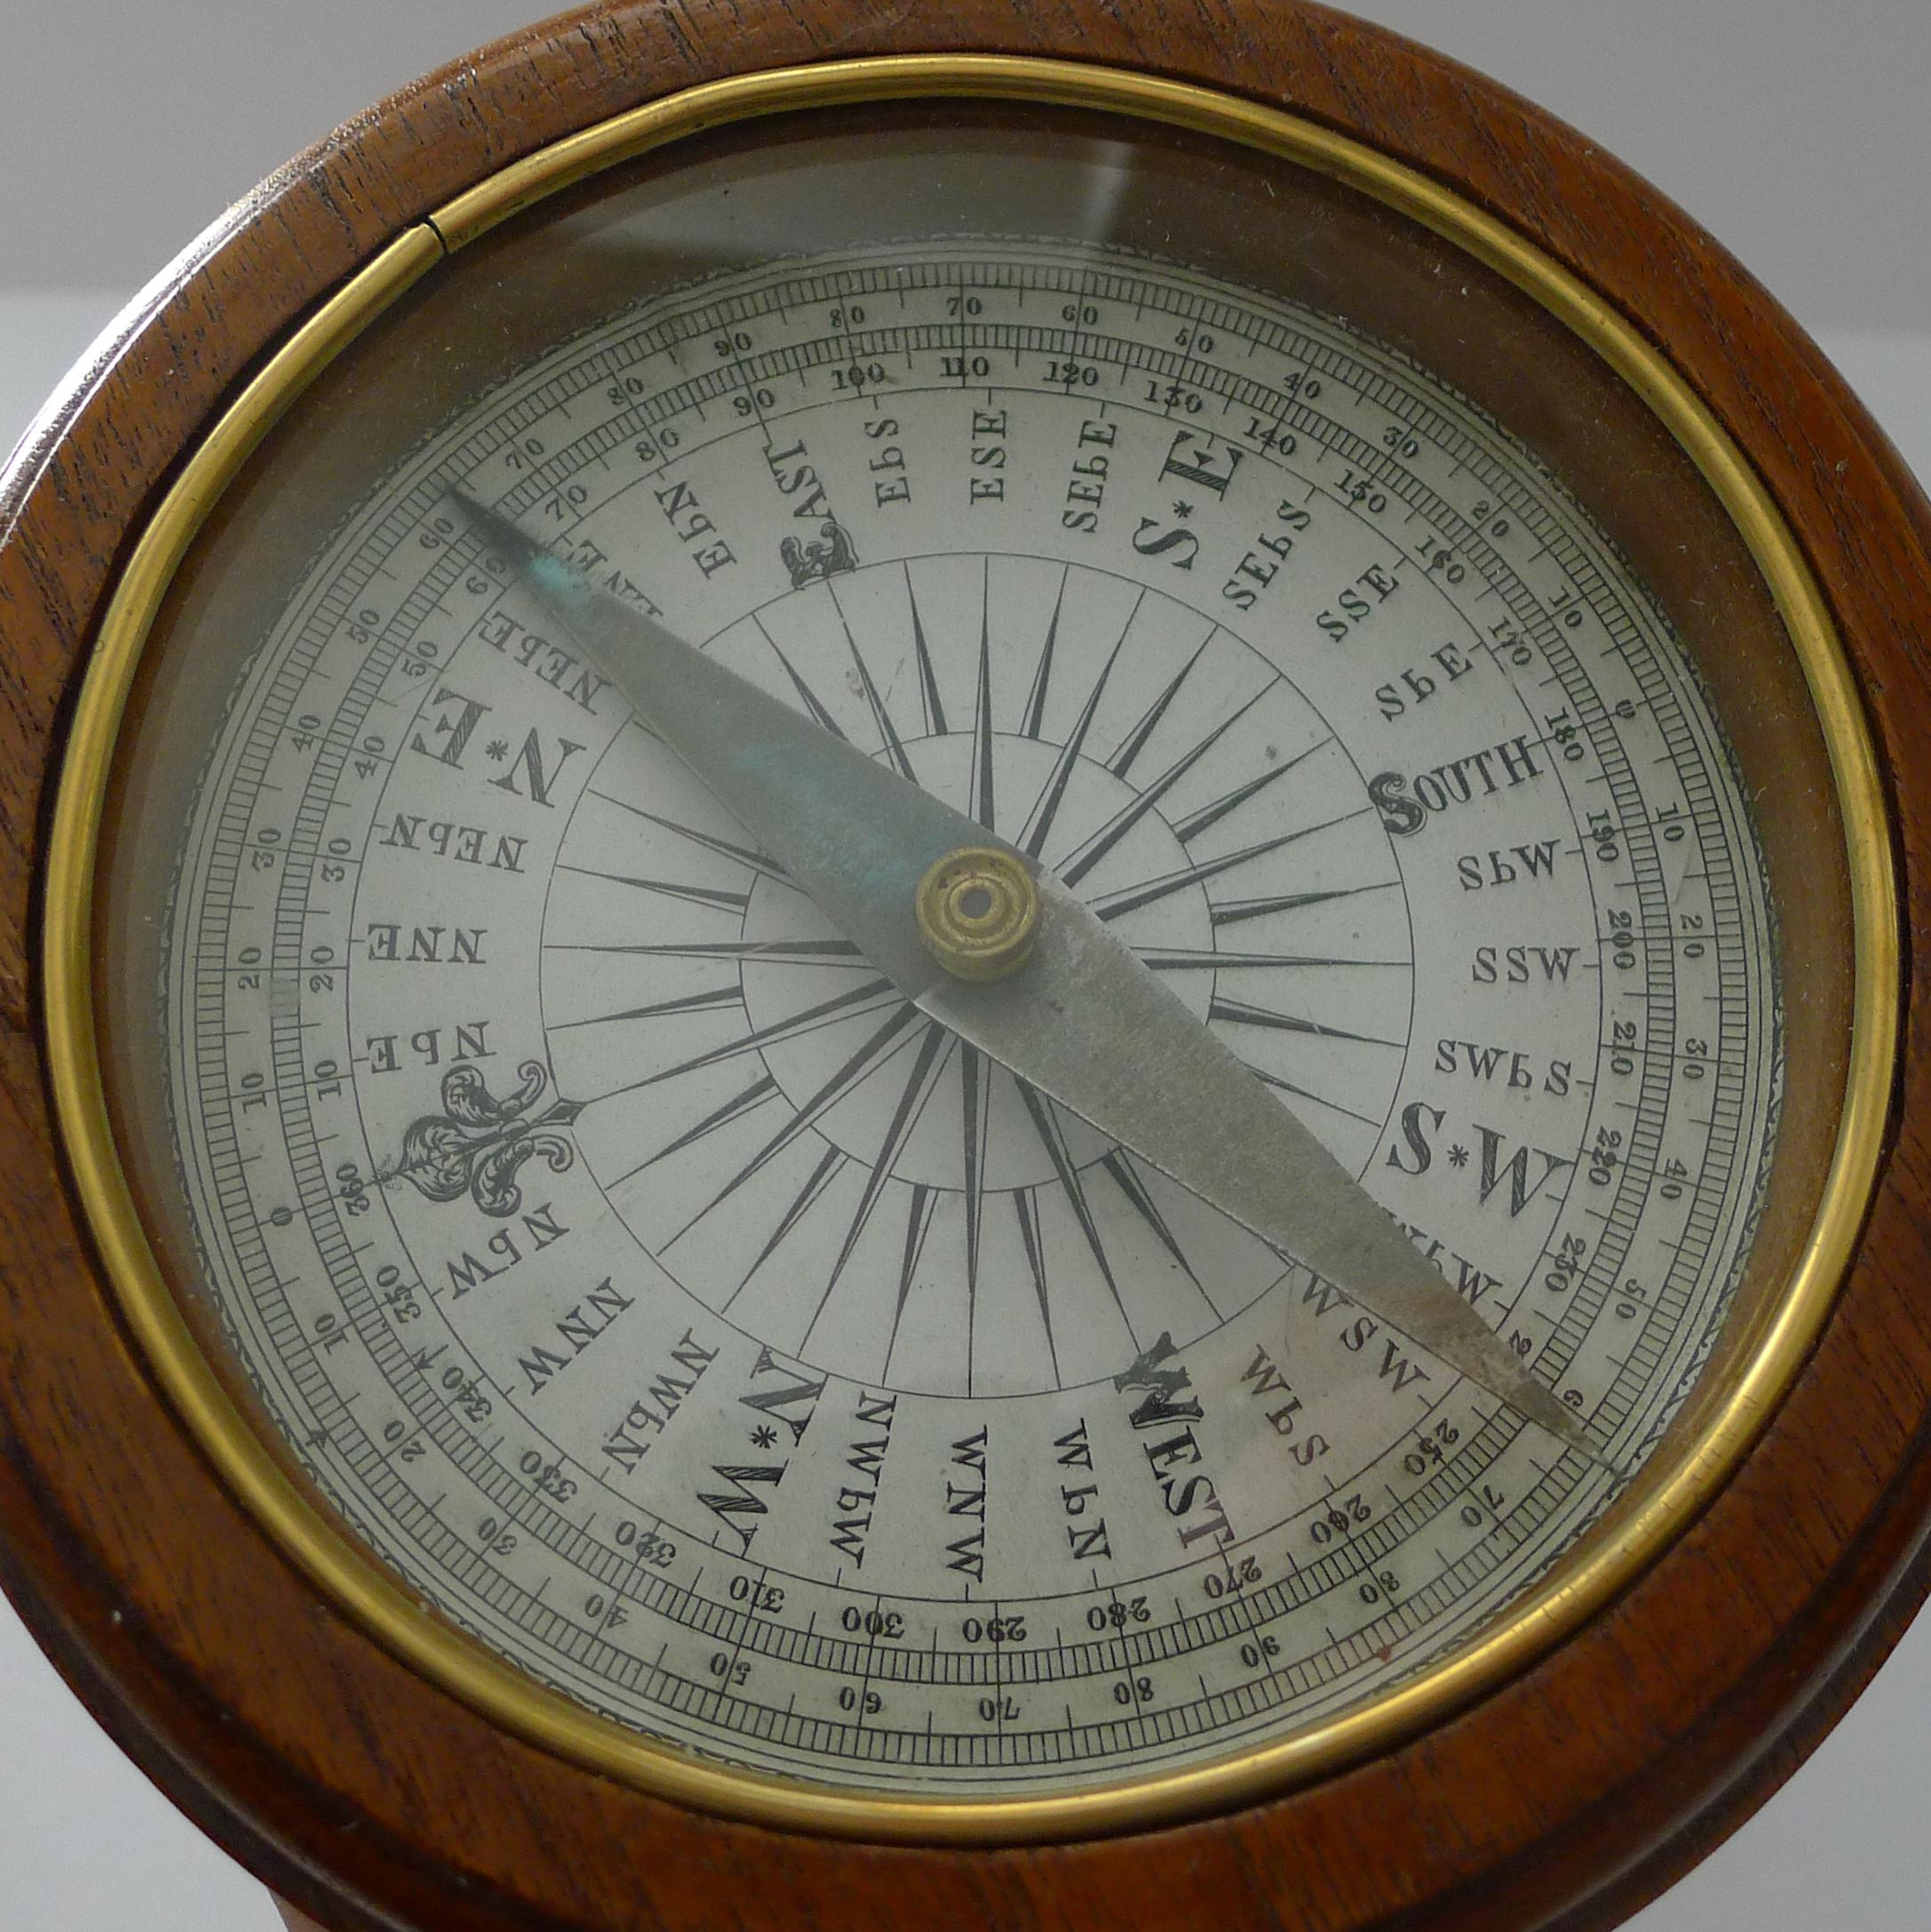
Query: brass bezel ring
point(1579, 1586)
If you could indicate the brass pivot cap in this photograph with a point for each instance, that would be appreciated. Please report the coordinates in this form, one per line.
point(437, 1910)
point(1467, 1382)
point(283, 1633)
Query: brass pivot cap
point(979, 911)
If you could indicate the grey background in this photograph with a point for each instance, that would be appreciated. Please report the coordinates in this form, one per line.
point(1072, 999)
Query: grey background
point(1794, 129)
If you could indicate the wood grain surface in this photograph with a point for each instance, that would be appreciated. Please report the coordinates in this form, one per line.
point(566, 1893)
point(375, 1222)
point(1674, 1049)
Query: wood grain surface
point(371, 1800)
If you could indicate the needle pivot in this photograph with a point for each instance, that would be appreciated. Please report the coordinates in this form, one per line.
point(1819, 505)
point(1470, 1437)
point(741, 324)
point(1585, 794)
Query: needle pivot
point(977, 910)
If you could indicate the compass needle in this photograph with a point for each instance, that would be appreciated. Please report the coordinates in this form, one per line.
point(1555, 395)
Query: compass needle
point(1083, 1021)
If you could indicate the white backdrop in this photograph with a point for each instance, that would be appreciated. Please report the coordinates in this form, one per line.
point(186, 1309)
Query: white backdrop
point(1794, 129)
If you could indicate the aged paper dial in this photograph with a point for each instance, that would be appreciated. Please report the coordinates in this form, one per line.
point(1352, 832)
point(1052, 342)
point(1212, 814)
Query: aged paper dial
point(684, 1315)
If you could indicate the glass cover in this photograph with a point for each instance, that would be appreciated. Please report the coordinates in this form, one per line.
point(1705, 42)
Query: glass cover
point(631, 1267)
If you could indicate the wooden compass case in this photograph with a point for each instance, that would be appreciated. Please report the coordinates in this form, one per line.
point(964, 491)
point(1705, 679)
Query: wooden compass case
point(1566, 1796)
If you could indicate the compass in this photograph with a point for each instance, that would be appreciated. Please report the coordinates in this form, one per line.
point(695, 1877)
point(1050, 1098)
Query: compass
point(969, 981)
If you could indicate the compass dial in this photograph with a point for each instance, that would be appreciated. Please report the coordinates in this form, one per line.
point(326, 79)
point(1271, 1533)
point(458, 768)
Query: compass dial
point(685, 1315)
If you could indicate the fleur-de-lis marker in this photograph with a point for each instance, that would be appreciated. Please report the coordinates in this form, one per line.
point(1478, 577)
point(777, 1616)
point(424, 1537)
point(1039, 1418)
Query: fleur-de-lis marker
point(477, 1143)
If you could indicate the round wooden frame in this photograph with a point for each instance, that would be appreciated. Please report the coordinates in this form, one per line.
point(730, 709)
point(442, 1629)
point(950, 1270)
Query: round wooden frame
point(374, 1799)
